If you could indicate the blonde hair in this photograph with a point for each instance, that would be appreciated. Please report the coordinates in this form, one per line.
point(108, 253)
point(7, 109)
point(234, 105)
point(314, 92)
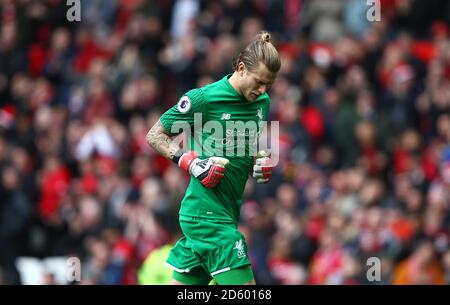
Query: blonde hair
point(260, 50)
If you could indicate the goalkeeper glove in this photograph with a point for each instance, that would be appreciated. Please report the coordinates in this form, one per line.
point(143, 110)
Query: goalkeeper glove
point(262, 170)
point(209, 171)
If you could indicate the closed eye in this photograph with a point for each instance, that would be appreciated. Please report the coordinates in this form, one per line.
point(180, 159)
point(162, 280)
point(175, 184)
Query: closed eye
point(261, 83)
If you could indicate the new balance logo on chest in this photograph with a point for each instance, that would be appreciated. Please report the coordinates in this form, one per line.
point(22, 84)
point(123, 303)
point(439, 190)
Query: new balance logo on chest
point(226, 116)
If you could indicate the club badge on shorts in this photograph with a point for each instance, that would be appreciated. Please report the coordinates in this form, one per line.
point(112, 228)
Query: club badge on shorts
point(184, 104)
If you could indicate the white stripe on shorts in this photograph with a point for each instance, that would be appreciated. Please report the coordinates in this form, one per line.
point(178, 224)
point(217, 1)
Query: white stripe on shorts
point(220, 271)
point(178, 270)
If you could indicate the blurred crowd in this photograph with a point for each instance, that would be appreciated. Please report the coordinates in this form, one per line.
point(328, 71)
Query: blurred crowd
point(364, 112)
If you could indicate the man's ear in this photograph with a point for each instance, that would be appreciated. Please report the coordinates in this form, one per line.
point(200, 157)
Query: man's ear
point(241, 69)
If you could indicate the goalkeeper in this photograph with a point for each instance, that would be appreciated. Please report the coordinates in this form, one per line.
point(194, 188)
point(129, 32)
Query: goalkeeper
point(212, 245)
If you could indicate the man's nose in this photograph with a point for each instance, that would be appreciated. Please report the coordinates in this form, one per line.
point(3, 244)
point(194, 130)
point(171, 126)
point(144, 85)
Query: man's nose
point(262, 89)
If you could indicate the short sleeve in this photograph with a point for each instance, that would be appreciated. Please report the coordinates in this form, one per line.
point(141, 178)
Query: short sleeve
point(181, 115)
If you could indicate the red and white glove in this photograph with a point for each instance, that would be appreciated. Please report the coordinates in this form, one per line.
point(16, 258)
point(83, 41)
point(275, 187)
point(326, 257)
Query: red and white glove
point(262, 170)
point(209, 171)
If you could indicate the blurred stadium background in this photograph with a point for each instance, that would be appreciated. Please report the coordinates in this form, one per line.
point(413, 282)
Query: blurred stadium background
point(363, 108)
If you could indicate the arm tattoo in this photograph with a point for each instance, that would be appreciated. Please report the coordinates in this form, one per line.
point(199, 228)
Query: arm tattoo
point(158, 138)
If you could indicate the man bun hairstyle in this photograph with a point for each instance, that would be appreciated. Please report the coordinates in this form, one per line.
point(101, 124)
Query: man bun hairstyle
point(260, 50)
point(264, 36)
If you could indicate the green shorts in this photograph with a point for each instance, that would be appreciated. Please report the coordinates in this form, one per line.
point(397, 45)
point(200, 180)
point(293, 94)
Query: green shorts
point(216, 247)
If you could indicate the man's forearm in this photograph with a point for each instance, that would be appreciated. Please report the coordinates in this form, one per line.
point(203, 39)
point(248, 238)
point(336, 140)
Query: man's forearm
point(158, 138)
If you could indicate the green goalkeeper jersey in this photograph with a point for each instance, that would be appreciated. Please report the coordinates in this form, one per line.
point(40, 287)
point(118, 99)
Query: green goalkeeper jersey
point(219, 122)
